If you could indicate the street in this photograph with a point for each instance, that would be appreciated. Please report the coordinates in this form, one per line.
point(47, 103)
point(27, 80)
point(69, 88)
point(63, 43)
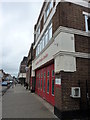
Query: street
point(18, 102)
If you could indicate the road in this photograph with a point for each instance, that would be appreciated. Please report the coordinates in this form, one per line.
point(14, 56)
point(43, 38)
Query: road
point(18, 102)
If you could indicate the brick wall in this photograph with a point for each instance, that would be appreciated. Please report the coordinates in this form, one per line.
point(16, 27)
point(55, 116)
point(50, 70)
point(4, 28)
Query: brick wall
point(82, 44)
point(72, 80)
point(69, 15)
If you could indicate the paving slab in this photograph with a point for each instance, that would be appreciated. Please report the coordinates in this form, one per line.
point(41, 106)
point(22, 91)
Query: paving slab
point(18, 102)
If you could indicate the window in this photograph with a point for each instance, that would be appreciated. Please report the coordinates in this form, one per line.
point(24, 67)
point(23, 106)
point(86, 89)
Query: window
point(50, 31)
point(36, 51)
point(52, 86)
point(48, 74)
point(48, 9)
point(52, 72)
point(48, 86)
point(44, 40)
point(87, 23)
point(44, 82)
point(38, 31)
point(46, 37)
point(41, 45)
point(51, 5)
point(44, 85)
point(41, 75)
point(41, 84)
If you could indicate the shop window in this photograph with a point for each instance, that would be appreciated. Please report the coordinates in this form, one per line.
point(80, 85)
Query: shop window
point(48, 86)
point(52, 86)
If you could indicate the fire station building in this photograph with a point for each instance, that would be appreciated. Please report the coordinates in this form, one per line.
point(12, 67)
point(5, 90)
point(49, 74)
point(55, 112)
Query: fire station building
point(60, 68)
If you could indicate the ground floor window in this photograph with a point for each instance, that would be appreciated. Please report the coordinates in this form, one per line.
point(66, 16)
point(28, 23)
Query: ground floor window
point(52, 86)
point(41, 84)
point(44, 85)
point(48, 86)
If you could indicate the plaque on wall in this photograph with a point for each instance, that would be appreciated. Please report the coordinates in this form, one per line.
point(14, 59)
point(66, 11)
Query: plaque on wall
point(58, 81)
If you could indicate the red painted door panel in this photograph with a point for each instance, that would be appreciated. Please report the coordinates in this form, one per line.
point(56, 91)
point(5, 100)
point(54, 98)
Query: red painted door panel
point(52, 99)
point(45, 81)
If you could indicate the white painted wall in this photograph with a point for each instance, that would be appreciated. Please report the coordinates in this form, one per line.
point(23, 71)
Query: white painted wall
point(65, 63)
point(63, 42)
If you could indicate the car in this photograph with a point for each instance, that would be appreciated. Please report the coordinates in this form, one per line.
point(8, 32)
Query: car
point(5, 83)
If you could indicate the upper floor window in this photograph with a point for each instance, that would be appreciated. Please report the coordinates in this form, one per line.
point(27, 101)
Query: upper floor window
point(38, 32)
point(48, 9)
point(50, 31)
point(45, 39)
point(87, 23)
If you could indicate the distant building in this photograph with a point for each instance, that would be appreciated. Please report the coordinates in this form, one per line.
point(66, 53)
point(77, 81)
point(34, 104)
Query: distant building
point(29, 79)
point(60, 68)
point(5, 76)
point(22, 70)
point(1, 75)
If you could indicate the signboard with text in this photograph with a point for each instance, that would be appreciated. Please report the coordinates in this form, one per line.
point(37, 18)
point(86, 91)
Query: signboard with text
point(58, 81)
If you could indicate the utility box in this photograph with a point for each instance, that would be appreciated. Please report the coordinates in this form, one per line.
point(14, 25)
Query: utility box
point(75, 92)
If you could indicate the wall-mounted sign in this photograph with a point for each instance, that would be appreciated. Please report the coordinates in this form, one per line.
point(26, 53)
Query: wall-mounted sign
point(58, 81)
point(40, 60)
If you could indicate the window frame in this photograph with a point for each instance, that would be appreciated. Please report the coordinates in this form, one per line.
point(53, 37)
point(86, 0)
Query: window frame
point(48, 86)
point(52, 86)
point(86, 15)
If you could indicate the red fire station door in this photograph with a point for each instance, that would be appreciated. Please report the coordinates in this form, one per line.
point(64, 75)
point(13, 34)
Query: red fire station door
point(45, 81)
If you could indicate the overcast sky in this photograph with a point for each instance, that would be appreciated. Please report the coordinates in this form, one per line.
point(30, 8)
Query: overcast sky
point(17, 20)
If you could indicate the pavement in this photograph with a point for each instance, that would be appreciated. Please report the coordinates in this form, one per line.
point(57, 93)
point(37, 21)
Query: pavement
point(18, 102)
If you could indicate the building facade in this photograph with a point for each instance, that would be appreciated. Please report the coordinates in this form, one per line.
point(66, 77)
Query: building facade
point(22, 71)
point(60, 68)
point(29, 80)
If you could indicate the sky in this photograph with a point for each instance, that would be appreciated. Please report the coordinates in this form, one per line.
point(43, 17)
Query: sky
point(17, 20)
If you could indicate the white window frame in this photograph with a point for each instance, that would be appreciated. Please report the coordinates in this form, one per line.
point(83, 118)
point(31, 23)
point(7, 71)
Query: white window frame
point(87, 15)
point(48, 9)
point(86, 23)
point(50, 28)
point(44, 40)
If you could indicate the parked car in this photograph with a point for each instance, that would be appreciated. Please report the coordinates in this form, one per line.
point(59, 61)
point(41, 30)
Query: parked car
point(5, 83)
